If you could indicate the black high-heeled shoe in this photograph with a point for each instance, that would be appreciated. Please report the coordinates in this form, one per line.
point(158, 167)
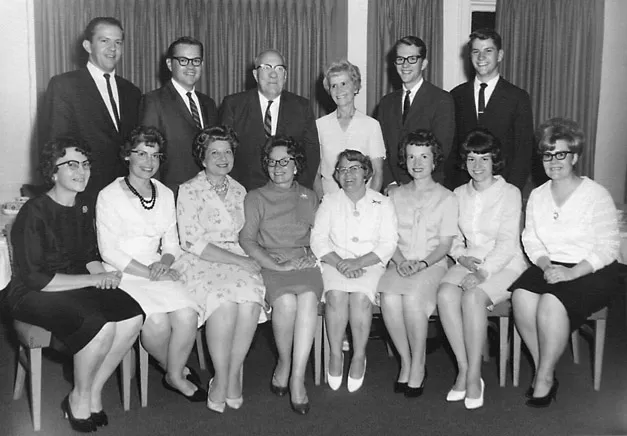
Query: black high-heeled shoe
point(193, 377)
point(198, 396)
point(400, 387)
point(279, 391)
point(100, 418)
point(80, 425)
point(540, 402)
point(416, 392)
point(529, 392)
point(301, 408)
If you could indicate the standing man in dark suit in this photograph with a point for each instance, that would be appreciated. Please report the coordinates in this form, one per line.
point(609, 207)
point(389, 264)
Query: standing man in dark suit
point(179, 111)
point(418, 105)
point(491, 102)
point(93, 103)
point(267, 111)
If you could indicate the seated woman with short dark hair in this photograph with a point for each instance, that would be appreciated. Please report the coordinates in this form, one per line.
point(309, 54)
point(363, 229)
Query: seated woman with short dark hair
point(61, 285)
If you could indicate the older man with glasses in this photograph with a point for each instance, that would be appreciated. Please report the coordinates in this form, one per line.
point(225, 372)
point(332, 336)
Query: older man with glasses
point(266, 111)
point(179, 111)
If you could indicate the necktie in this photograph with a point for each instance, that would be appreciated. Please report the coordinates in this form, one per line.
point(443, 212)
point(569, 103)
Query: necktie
point(194, 110)
point(267, 121)
point(481, 104)
point(107, 77)
point(406, 105)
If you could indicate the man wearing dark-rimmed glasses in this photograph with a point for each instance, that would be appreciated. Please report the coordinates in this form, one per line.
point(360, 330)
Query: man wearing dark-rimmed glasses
point(417, 105)
point(269, 110)
point(179, 110)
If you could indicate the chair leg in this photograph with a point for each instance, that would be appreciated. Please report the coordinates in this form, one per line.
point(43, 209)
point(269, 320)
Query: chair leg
point(574, 338)
point(599, 345)
point(327, 348)
point(126, 379)
point(35, 385)
point(516, 357)
point(143, 374)
point(388, 347)
point(200, 350)
point(486, 348)
point(503, 348)
point(317, 350)
point(20, 374)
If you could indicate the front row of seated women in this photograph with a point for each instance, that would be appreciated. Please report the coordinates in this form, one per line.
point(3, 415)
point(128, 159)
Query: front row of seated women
point(238, 251)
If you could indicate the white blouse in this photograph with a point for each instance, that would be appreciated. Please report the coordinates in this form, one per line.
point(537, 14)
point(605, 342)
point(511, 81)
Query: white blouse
point(585, 227)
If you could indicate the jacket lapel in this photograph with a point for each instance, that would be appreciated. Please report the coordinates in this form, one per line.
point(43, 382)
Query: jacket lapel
point(91, 92)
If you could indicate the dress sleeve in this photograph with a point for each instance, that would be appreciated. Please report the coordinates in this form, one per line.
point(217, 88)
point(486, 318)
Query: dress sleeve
point(320, 241)
point(377, 145)
point(248, 236)
point(508, 235)
point(604, 230)
point(28, 240)
point(170, 240)
point(458, 248)
point(388, 232)
point(108, 224)
point(450, 211)
point(193, 236)
point(534, 247)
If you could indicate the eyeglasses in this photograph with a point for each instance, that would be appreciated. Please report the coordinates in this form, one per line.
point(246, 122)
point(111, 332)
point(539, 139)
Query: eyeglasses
point(74, 165)
point(183, 61)
point(145, 156)
point(560, 155)
point(353, 169)
point(283, 162)
point(400, 60)
point(268, 68)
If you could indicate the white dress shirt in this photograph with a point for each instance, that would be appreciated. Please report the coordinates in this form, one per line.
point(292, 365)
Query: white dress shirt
point(98, 75)
point(412, 93)
point(183, 93)
point(274, 110)
point(487, 93)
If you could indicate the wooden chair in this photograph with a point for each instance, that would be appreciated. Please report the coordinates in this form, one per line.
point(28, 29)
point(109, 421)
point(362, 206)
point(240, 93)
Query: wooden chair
point(502, 311)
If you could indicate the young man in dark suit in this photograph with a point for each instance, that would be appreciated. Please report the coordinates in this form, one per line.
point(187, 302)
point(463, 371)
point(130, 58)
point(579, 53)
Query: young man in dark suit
point(491, 102)
point(93, 103)
point(265, 111)
point(418, 105)
point(179, 111)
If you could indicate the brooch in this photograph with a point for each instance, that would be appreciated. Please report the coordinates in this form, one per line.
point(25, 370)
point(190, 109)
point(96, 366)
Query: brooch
point(303, 195)
point(376, 201)
point(84, 209)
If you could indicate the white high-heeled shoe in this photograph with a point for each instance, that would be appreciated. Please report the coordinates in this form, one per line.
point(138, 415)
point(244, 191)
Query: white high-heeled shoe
point(454, 395)
point(475, 403)
point(354, 384)
point(216, 406)
point(335, 381)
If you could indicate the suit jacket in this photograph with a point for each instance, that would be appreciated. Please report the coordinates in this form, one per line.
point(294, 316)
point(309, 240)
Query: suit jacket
point(164, 109)
point(74, 107)
point(432, 109)
point(242, 112)
point(508, 116)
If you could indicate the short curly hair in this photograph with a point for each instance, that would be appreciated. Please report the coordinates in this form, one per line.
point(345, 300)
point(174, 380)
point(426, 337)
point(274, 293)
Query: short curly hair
point(342, 66)
point(209, 135)
point(354, 156)
point(294, 149)
point(420, 138)
point(482, 141)
point(558, 128)
point(55, 149)
point(148, 135)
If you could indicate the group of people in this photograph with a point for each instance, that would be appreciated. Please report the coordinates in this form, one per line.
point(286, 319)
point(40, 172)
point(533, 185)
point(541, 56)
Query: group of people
point(260, 211)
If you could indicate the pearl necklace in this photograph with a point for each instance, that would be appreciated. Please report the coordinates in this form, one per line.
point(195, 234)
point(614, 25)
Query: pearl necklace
point(146, 204)
point(221, 188)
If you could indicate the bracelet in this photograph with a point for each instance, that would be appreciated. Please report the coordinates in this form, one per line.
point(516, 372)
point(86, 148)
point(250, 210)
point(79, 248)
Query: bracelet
point(425, 262)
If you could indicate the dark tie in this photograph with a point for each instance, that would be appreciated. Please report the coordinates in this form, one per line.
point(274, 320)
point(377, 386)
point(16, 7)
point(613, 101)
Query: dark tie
point(267, 121)
point(194, 110)
point(107, 76)
point(481, 108)
point(406, 105)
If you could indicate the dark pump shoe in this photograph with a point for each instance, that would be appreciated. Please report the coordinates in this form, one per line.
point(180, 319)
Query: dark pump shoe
point(100, 418)
point(279, 391)
point(416, 392)
point(400, 387)
point(193, 377)
point(79, 425)
point(540, 402)
point(301, 408)
point(199, 396)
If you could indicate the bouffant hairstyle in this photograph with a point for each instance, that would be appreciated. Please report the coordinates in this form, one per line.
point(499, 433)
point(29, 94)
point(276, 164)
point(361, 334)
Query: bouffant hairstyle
point(148, 135)
point(482, 141)
point(354, 156)
point(209, 135)
point(294, 149)
point(55, 149)
point(342, 66)
point(420, 138)
point(565, 129)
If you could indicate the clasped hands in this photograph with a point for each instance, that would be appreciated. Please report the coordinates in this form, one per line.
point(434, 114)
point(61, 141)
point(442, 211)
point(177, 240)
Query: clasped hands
point(302, 262)
point(108, 280)
point(350, 268)
point(558, 273)
point(476, 277)
point(407, 268)
point(160, 271)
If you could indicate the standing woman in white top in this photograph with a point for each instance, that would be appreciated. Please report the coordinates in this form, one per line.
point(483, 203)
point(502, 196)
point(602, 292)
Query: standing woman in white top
point(489, 259)
point(571, 236)
point(354, 235)
point(346, 128)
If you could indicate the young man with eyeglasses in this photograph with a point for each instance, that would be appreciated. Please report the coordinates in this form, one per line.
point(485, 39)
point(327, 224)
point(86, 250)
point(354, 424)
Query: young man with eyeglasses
point(94, 103)
point(179, 111)
point(267, 111)
point(491, 102)
point(417, 105)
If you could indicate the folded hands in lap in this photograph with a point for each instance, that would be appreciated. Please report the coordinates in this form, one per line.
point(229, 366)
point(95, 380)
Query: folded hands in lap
point(558, 273)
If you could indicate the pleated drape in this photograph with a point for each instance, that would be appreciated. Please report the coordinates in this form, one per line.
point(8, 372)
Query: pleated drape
point(390, 20)
point(553, 49)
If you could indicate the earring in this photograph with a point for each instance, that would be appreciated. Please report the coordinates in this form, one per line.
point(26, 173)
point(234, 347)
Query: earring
point(295, 171)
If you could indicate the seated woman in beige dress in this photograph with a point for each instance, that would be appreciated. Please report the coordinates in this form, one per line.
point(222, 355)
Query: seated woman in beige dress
point(279, 217)
point(223, 279)
point(427, 224)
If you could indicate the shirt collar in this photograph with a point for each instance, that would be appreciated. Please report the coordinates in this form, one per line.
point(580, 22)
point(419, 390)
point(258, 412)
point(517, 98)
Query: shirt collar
point(182, 90)
point(414, 89)
point(491, 83)
point(264, 101)
point(97, 72)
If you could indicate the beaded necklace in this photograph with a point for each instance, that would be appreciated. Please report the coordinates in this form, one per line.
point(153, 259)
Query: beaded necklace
point(146, 204)
point(221, 188)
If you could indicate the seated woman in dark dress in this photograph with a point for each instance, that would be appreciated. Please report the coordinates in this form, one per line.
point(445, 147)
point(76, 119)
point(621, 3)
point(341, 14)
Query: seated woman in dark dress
point(60, 284)
point(279, 217)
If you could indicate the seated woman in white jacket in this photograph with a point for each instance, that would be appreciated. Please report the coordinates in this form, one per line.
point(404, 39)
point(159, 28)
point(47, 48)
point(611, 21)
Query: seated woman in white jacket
point(136, 226)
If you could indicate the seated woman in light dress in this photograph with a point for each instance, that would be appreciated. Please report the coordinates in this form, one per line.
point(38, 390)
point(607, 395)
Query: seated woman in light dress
point(346, 128)
point(489, 259)
point(136, 222)
point(427, 224)
point(223, 279)
point(354, 236)
point(571, 236)
point(279, 217)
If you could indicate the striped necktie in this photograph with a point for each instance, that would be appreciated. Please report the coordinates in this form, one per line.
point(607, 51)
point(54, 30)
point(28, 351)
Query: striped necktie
point(267, 121)
point(114, 106)
point(194, 110)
